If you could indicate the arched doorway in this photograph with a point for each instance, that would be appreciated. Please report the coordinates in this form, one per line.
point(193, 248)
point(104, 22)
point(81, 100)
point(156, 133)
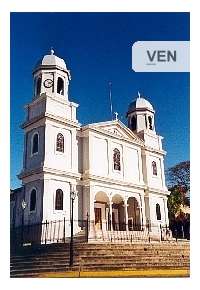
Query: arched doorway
point(101, 207)
point(118, 213)
point(134, 221)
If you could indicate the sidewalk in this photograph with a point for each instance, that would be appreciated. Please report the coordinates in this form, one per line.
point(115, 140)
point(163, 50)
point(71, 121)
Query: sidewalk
point(119, 274)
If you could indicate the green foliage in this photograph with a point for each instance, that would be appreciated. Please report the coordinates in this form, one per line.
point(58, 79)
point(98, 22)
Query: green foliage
point(176, 199)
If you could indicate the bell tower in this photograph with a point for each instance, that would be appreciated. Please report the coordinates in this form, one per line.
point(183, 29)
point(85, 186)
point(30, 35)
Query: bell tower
point(50, 164)
point(140, 116)
point(141, 121)
point(51, 76)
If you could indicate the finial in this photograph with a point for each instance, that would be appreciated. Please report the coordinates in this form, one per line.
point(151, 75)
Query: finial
point(138, 94)
point(52, 51)
point(116, 115)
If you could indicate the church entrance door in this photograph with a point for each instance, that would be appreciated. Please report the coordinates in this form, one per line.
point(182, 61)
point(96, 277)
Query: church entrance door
point(97, 212)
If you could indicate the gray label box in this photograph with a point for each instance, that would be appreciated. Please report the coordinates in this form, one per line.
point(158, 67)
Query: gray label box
point(161, 56)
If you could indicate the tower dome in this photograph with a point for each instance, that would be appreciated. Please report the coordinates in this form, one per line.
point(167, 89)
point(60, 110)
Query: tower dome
point(51, 76)
point(140, 115)
point(139, 104)
point(51, 60)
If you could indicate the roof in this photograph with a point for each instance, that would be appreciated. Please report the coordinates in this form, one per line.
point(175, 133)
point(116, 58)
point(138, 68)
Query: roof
point(116, 129)
point(51, 60)
point(139, 103)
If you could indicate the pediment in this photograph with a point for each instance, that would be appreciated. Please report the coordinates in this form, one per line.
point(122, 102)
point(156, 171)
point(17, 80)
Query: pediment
point(115, 129)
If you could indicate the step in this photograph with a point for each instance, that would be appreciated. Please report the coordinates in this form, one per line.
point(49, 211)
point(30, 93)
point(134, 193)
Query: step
point(99, 265)
point(30, 261)
point(61, 247)
point(97, 260)
point(125, 266)
point(34, 271)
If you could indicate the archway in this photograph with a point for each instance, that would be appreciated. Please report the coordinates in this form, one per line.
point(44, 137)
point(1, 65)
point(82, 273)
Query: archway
point(118, 214)
point(134, 221)
point(101, 207)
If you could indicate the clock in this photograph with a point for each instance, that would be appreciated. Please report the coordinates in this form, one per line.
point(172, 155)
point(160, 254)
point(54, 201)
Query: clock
point(48, 83)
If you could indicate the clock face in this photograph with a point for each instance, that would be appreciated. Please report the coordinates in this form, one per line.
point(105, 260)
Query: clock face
point(48, 83)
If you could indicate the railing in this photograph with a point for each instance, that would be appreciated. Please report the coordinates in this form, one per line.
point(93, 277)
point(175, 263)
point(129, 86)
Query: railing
point(180, 229)
point(59, 232)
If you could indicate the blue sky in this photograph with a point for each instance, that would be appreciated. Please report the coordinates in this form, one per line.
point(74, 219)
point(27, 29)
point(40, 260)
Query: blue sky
point(97, 49)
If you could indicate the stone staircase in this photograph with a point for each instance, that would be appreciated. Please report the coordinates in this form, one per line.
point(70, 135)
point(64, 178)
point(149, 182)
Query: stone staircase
point(124, 236)
point(31, 261)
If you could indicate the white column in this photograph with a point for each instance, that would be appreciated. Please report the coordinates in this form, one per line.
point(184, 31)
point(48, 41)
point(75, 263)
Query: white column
point(91, 153)
point(144, 166)
point(123, 159)
point(110, 203)
point(55, 82)
point(90, 206)
point(74, 151)
point(91, 203)
point(162, 172)
point(142, 207)
point(166, 211)
point(86, 208)
point(47, 198)
point(126, 211)
point(151, 219)
point(48, 136)
point(140, 168)
point(73, 111)
point(110, 157)
point(67, 88)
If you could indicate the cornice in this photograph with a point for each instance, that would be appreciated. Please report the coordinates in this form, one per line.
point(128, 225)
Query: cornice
point(63, 173)
point(62, 120)
point(150, 190)
point(105, 180)
point(52, 96)
point(47, 170)
point(25, 173)
point(32, 121)
point(50, 117)
point(153, 150)
point(50, 68)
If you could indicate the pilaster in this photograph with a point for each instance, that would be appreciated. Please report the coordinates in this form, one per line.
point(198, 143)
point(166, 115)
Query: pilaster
point(126, 211)
point(166, 211)
point(143, 210)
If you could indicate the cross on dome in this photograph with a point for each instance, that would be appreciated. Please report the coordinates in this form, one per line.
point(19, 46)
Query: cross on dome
point(139, 94)
point(116, 115)
point(52, 51)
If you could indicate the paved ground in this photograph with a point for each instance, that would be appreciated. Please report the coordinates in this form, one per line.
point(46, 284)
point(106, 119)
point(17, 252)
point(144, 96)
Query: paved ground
point(119, 274)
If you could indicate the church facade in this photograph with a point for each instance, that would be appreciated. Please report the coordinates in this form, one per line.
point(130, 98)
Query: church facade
point(115, 172)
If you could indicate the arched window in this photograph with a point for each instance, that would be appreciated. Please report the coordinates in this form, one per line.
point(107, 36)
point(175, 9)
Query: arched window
point(116, 159)
point(158, 213)
point(133, 123)
point(60, 142)
point(33, 200)
point(150, 123)
point(60, 86)
point(38, 86)
point(154, 167)
point(35, 143)
point(59, 200)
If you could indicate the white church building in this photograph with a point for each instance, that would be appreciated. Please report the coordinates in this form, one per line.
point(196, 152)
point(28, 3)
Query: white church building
point(115, 171)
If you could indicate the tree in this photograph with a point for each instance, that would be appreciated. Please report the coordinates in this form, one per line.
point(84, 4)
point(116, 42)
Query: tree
point(179, 175)
point(176, 200)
